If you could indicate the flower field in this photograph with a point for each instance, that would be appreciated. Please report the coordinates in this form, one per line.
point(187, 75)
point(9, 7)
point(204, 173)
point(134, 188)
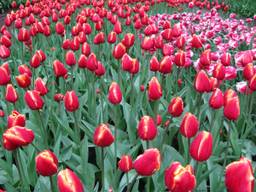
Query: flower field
point(127, 96)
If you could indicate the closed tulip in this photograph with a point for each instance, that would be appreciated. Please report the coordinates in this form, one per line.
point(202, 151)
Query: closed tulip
point(154, 89)
point(166, 65)
point(154, 64)
point(34, 100)
point(119, 51)
point(151, 158)
point(216, 100)
point(232, 108)
point(179, 179)
point(125, 163)
point(202, 82)
point(11, 94)
point(68, 181)
point(5, 76)
point(147, 129)
point(180, 58)
point(25, 69)
point(46, 163)
point(114, 94)
point(219, 71)
point(252, 83)
point(59, 69)
point(70, 58)
point(201, 147)
point(112, 37)
point(23, 35)
point(40, 86)
point(92, 63)
point(23, 80)
point(205, 58)
point(175, 107)
point(128, 40)
point(189, 125)
point(71, 101)
point(102, 136)
point(99, 38)
point(35, 61)
point(239, 176)
point(16, 119)
point(16, 137)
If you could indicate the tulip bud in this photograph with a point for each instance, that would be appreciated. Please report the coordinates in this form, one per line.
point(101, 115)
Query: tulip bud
point(58, 97)
point(126, 62)
point(196, 42)
point(112, 37)
point(99, 38)
point(239, 176)
point(117, 27)
point(225, 59)
point(166, 65)
point(128, 40)
point(23, 35)
point(114, 94)
point(70, 58)
point(40, 86)
point(202, 82)
point(16, 119)
point(158, 42)
point(175, 107)
point(180, 58)
point(35, 61)
point(17, 136)
point(82, 61)
point(178, 178)
point(232, 108)
point(119, 51)
point(4, 52)
point(154, 64)
point(33, 100)
point(46, 163)
point(147, 43)
point(201, 147)
point(219, 71)
point(216, 100)
point(41, 55)
point(68, 181)
point(59, 69)
point(59, 28)
point(180, 42)
point(92, 63)
point(252, 83)
point(147, 129)
point(86, 49)
point(11, 94)
point(167, 34)
point(125, 163)
point(205, 58)
point(151, 158)
point(102, 136)
point(154, 89)
point(248, 71)
point(71, 101)
point(5, 76)
point(189, 125)
point(24, 69)
point(23, 80)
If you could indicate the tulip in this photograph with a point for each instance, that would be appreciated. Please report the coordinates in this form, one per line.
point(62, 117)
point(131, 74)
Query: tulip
point(68, 181)
point(125, 163)
point(23, 35)
point(135, 66)
point(16, 137)
point(196, 42)
point(23, 80)
point(100, 71)
point(102, 136)
point(11, 94)
point(147, 43)
point(189, 125)
point(128, 40)
point(41, 55)
point(239, 176)
point(126, 62)
point(58, 97)
point(201, 147)
point(232, 108)
point(158, 42)
point(70, 58)
point(248, 71)
point(167, 34)
point(154, 64)
point(202, 82)
point(180, 42)
point(225, 59)
point(151, 158)
point(178, 178)
point(112, 37)
point(119, 51)
point(5, 76)
point(252, 83)
point(6, 41)
point(166, 65)
point(147, 129)
point(99, 38)
point(175, 107)
point(86, 49)
point(35, 61)
point(59, 69)
point(59, 28)
point(180, 58)
point(92, 63)
point(71, 101)
point(16, 119)
point(82, 61)
point(24, 69)
point(46, 163)
point(167, 50)
point(40, 86)
point(216, 100)
point(205, 58)
point(154, 89)
point(114, 94)
point(229, 94)
point(219, 71)
point(33, 100)
point(117, 28)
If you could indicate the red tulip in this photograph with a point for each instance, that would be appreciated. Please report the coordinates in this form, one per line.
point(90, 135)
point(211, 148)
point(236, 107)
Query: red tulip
point(112, 37)
point(216, 100)
point(125, 163)
point(6, 41)
point(117, 27)
point(82, 61)
point(23, 80)
point(59, 69)
point(99, 38)
point(128, 40)
point(59, 28)
point(135, 66)
point(147, 129)
point(11, 94)
point(16, 137)
point(92, 63)
point(46, 163)
point(248, 71)
point(180, 58)
point(179, 179)
point(175, 107)
point(70, 58)
point(189, 125)
point(225, 59)
point(33, 100)
point(167, 34)
point(229, 94)
point(167, 50)
point(41, 55)
point(147, 43)
point(126, 62)
point(4, 52)
point(86, 49)
point(16, 119)
point(71, 101)
point(252, 83)
point(23, 35)
point(205, 58)
point(114, 94)
point(119, 51)
point(154, 89)
point(202, 82)
point(100, 70)
point(232, 108)
point(25, 69)
point(151, 158)
point(35, 61)
point(5, 76)
point(239, 176)
point(68, 181)
point(180, 42)
point(219, 71)
point(201, 147)
point(102, 136)
point(40, 86)
point(196, 42)
point(58, 97)
point(166, 65)
point(154, 64)
point(158, 42)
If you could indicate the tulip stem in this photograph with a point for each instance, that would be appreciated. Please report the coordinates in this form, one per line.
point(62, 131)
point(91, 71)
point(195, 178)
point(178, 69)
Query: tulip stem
point(20, 170)
point(102, 167)
point(43, 129)
point(77, 130)
point(132, 183)
point(52, 185)
point(148, 183)
point(127, 182)
point(188, 159)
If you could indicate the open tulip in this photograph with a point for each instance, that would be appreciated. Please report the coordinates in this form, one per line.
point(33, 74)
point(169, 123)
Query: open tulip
point(102, 136)
point(114, 93)
point(16, 119)
point(46, 163)
point(147, 129)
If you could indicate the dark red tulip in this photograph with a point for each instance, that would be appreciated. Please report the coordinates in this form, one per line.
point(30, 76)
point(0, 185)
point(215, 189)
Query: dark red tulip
point(114, 94)
point(154, 89)
point(216, 100)
point(189, 125)
point(154, 64)
point(175, 107)
point(147, 129)
point(16, 119)
point(125, 163)
point(46, 163)
point(11, 94)
point(201, 147)
point(151, 158)
point(59, 69)
point(71, 101)
point(102, 136)
point(16, 137)
point(34, 100)
point(179, 179)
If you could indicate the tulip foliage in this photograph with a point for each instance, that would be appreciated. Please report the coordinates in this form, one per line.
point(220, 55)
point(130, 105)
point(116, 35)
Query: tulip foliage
point(127, 95)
